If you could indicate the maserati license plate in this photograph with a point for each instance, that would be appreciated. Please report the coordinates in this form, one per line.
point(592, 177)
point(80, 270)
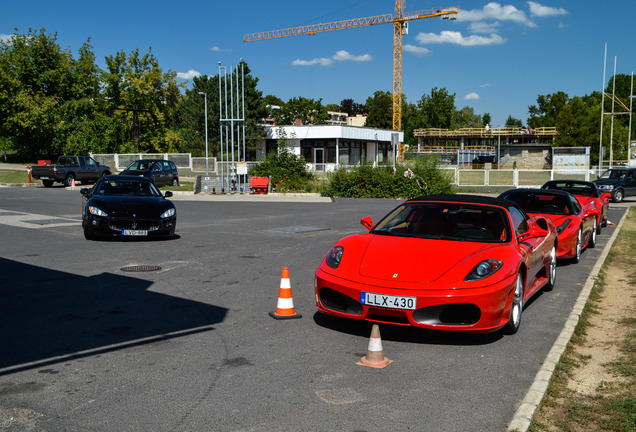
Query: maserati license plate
point(134, 232)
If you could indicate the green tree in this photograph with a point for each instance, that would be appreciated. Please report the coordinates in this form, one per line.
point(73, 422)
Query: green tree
point(352, 108)
point(36, 77)
point(380, 110)
point(466, 118)
point(438, 108)
point(545, 113)
point(486, 119)
point(513, 122)
point(143, 97)
point(309, 111)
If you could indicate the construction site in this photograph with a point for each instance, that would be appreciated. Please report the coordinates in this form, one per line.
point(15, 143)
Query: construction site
point(506, 148)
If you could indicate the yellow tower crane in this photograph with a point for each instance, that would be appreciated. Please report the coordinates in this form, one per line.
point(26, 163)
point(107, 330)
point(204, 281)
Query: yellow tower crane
point(400, 21)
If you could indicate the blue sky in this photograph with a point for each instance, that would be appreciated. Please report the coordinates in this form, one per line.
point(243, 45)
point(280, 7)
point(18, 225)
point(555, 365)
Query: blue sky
point(497, 57)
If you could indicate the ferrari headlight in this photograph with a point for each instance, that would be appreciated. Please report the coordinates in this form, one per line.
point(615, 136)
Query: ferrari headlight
point(167, 213)
point(96, 211)
point(334, 256)
point(484, 269)
point(563, 226)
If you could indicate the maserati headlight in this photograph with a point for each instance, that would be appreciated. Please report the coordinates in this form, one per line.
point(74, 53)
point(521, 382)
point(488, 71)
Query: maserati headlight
point(167, 213)
point(484, 269)
point(96, 211)
point(334, 256)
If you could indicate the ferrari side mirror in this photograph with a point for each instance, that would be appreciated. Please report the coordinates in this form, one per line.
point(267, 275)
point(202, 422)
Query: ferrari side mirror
point(367, 222)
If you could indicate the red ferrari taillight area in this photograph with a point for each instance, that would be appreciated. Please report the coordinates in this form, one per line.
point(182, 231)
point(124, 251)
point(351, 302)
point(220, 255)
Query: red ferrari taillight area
point(413, 259)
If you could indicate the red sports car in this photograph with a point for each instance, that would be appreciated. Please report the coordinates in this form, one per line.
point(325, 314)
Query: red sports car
point(447, 262)
point(585, 192)
point(575, 222)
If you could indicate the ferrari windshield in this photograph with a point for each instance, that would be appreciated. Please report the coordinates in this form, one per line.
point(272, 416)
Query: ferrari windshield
point(136, 187)
point(575, 188)
point(542, 203)
point(447, 221)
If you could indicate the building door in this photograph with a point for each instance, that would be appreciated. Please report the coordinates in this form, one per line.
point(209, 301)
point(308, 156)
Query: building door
point(319, 159)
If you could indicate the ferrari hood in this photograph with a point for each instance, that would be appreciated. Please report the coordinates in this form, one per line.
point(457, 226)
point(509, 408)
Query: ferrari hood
point(413, 259)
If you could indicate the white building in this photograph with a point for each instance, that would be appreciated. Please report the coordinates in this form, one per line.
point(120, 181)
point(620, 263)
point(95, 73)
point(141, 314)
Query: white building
point(326, 147)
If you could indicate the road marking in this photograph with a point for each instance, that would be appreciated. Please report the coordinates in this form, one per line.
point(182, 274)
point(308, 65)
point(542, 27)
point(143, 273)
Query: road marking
point(32, 220)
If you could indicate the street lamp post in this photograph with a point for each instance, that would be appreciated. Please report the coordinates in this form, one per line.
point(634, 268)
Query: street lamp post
point(205, 99)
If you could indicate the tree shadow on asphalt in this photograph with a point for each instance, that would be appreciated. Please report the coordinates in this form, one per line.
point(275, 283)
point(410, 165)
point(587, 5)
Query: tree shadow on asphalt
point(49, 316)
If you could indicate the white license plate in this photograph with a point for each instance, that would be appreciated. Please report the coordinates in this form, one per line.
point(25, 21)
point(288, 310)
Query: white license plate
point(44, 178)
point(388, 301)
point(134, 232)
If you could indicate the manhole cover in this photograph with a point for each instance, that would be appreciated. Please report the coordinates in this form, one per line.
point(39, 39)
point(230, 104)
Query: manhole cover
point(141, 268)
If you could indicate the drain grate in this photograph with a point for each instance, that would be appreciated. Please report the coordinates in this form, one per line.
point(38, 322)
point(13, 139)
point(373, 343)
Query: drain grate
point(141, 268)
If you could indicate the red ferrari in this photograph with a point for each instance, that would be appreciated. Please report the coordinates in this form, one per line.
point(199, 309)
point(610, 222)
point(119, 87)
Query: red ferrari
point(447, 262)
point(575, 222)
point(585, 192)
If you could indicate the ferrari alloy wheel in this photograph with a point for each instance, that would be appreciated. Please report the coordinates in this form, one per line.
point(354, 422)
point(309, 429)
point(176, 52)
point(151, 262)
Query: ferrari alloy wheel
point(516, 308)
point(552, 270)
point(579, 245)
point(593, 239)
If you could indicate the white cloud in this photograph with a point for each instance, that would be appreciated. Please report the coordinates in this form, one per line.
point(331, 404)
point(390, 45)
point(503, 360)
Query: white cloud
point(346, 56)
point(497, 12)
point(319, 61)
point(539, 10)
point(219, 49)
point(457, 38)
point(485, 85)
point(483, 27)
point(472, 96)
point(5, 38)
point(341, 55)
point(188, 75)
point(420, 51)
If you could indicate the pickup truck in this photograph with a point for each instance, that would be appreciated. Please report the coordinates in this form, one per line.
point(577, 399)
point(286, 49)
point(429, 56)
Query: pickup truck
point(68, 169)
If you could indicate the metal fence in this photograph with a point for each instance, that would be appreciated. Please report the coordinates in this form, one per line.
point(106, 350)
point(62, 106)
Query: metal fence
point(120, 161)
point(512, 178)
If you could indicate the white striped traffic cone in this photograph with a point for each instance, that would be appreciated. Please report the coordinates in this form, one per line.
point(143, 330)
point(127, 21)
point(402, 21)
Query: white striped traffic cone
point(375, 354)
point(285, 305)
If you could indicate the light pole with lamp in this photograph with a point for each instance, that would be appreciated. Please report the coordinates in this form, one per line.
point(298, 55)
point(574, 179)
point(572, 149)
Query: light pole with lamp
point(205, 99)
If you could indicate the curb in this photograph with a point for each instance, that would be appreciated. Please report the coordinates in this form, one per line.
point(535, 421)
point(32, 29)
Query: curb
point(523, 416)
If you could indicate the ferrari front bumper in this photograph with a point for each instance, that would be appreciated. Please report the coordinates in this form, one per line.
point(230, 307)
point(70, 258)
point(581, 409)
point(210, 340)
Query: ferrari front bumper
point(478, 310)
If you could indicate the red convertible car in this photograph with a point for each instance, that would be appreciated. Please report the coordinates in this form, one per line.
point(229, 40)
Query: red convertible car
point(575, 222)
point(447, 262)
point(585, 192)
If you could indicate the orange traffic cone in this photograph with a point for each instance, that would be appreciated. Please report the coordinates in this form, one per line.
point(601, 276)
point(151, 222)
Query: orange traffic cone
point(375, 354)
point(73, 183)
point(285, 305)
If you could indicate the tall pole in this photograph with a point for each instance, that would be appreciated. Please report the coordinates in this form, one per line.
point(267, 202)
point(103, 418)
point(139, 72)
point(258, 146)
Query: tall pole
point(600, 145)
point(221, 122)
point(629, 134)
point(612, 128)
point(205, 104)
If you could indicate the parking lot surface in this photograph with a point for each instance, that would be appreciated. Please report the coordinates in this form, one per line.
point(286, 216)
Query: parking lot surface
point(176, 335)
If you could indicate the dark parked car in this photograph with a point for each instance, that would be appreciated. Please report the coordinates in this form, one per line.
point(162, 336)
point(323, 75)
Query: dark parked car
point(620, 182)
point(160, 172)
point(128, 206)
point(68, 169)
